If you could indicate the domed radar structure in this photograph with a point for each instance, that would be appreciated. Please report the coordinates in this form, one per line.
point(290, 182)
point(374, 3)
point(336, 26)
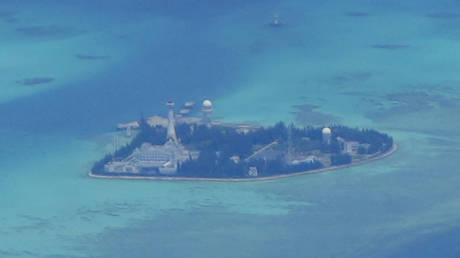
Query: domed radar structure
point(207, 111)
point(327, 135)
point(171, 134)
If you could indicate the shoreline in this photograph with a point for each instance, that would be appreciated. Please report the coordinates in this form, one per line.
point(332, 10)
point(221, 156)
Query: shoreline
point(393, 149)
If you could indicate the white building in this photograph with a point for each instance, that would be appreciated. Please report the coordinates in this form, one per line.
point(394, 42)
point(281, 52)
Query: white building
point(253, 172)
point(350, 147)
point(162, 158)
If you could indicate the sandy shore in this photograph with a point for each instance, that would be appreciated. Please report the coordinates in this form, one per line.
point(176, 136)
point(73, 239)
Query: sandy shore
point(315, 171)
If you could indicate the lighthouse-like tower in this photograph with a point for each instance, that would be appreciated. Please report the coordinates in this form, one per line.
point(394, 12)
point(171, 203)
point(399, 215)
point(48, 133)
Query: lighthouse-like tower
point(171, 135)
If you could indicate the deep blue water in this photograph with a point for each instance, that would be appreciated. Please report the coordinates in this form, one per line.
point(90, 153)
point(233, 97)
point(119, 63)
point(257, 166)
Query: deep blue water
point(182, 64)
point(441, 244)
point(142, 85)
point(325, 55)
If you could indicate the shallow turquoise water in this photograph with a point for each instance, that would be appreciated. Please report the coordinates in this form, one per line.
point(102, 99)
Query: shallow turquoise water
point(382, 64)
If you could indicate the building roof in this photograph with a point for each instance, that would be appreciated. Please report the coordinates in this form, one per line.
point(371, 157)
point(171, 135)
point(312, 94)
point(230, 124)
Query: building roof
point(157, 121)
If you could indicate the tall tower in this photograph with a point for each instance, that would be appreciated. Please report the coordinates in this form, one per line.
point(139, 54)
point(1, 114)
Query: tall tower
point(289, 156)
point(327, 135)
point(207, 111)
point(171, 135)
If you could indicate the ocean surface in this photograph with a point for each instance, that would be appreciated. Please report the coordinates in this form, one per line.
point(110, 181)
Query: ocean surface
point(71, 70)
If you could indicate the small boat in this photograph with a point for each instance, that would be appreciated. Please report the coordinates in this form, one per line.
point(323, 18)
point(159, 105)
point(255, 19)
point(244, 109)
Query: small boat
point(276, 21)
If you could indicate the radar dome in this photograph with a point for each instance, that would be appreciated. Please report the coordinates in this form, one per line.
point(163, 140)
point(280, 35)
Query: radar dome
point(207, 103)
point(327, 130)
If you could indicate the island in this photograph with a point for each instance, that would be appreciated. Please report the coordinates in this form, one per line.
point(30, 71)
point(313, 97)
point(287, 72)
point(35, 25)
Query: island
point(186, 147)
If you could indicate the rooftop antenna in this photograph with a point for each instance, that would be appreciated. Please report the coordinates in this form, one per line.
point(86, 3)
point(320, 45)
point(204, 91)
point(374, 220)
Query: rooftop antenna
point(115, 146)
point(289, 135)
point(142, 119)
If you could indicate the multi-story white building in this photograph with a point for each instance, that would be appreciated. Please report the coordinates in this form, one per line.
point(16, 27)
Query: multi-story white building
point(162, 158)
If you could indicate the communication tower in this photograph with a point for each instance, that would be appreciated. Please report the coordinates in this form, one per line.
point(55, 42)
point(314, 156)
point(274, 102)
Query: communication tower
point(289, 156)
point(207, 111)
point(327, 135)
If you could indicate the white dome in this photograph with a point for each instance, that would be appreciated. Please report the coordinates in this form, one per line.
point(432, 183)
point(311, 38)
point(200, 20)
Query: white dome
point(327, 130)
point(207, 103)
